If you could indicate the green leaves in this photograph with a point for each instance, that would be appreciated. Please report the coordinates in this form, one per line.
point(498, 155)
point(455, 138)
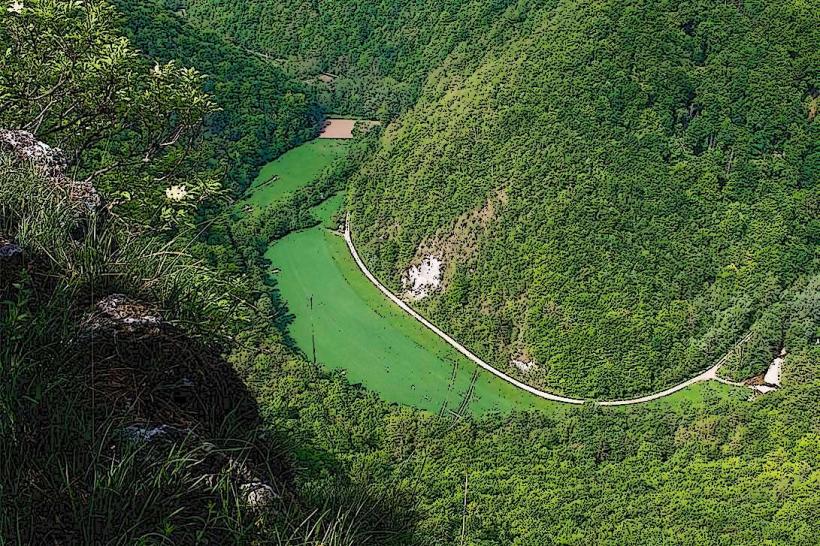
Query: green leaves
point(74, 82)
point(657, 157)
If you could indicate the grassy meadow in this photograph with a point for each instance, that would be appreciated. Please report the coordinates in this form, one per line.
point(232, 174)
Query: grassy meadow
point(325, 212)
point(341, 321)
point(293, 170)
point(352, 326)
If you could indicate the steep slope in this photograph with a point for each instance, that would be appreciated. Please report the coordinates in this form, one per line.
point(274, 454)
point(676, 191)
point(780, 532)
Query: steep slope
point(263, 111)
point(122, 422)
point(120, 426)
point(616, 195)
point(378, 53)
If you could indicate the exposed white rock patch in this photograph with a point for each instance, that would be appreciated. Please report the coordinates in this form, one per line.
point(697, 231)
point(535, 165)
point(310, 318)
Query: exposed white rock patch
point(523, 366)
point(255, 490)
point(771, 379)
point(772, 376)
point(25, 147)
point(258, 495)
point(121, 308)
point(419, 281)
point(137, 433)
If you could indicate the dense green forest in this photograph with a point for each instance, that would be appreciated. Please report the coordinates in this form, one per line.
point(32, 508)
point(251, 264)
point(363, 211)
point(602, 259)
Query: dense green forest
point(380, 53)
point(650, 169)
point(618, 194)
point(262, 111)
point(635, 185)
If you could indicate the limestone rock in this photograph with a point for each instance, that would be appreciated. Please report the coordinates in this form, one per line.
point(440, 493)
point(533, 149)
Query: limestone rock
point(419, 281)
point(121, 309)
point(258, 495)
point(25, 147)
point(523, 365)
point(52, 161)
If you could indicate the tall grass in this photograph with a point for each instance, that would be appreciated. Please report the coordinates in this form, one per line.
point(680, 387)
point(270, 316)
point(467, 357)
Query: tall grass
point(68, 473)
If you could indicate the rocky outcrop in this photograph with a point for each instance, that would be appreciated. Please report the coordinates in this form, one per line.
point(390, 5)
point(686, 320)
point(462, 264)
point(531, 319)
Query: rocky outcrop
point(118, 313)
point(163, 389)
point(419, 281)
point(183, 382)
point(23, 146)
point(770, 380)
point(523, 365)
point(254, 489)
point(432, 265)
point(176, 390)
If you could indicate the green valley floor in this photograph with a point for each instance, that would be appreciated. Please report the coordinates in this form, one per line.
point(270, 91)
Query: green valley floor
point(341, 321)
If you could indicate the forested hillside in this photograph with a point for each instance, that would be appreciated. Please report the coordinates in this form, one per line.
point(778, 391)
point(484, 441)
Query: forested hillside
point(633, 186)
point(263, 111)
point(617, 195)
point(618, 191)
point(379, 52)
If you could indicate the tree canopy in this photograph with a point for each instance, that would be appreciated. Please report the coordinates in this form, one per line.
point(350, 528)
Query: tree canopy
point(618, 190)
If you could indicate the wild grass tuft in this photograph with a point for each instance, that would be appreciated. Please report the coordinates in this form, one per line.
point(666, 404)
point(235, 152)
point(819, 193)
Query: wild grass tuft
point(67, 474)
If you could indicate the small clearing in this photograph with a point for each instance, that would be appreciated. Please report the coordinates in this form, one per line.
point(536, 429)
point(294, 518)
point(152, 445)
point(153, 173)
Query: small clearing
point(289, 172)
point(343, 128)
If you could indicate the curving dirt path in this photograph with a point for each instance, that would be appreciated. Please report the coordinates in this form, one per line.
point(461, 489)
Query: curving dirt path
point(708, 375)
